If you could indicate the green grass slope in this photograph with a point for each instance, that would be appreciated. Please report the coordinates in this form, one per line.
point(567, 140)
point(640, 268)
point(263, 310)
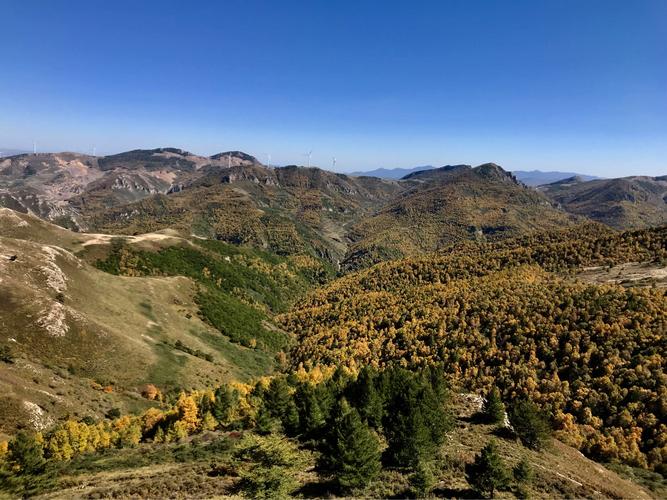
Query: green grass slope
point(154, 309)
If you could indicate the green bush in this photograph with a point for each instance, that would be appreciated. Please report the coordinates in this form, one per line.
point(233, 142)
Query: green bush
point(268, 465)
point(487, 473)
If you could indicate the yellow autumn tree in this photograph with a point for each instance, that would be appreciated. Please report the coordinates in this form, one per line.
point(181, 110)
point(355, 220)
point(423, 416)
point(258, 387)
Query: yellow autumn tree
point(187, 412)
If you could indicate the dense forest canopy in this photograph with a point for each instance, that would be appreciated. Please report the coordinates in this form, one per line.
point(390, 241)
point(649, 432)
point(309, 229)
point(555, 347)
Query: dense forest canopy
point(592, 356)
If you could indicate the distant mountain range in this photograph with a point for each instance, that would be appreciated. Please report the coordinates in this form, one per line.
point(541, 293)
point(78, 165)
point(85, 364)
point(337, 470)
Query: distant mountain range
point(538, 177)
point(11, 152)
point(391, 173)
point(529, 178)
point(351, 220)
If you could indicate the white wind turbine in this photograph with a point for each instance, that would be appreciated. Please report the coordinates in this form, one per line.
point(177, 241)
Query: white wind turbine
point(333, 163)
point(309, 154)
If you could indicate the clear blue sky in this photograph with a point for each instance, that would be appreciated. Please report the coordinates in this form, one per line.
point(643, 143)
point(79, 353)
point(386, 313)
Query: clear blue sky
point(571, 85)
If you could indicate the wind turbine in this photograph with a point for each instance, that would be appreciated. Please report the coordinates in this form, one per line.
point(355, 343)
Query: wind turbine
point(34, 147)
point(268, 156)
point(309, 154)
point(333, 163)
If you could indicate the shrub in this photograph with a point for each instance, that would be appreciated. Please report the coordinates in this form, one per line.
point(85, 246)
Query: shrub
point(6, 355)
point(268, 465)
point(487, 473)
point(422, 480)
point(523, 475)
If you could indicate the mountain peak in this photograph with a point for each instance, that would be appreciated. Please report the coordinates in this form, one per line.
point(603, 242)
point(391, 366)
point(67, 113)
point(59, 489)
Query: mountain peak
point(239, 155)
point(423, 174)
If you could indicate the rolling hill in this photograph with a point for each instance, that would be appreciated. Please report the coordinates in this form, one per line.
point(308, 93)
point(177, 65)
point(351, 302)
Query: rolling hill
point(451, 204)
point(165, 310)
point(628, 202)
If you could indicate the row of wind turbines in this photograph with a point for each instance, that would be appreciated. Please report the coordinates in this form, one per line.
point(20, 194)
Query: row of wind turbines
point(308, 155)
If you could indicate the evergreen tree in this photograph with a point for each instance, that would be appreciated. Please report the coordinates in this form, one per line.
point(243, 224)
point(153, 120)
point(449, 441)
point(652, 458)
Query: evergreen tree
point(487, 473)
point(265, 423)
point(493, 409)
point(278, 397)
point(523, 472)
point(291, 422)
point(422, 480)
point(311, 417)
point(353, 449)
point(26, 454)
point(415, 419)
point(530, 425)
point(365, 396)
point(523, 476)
point(26, 472)
point(269, 465)
point(226, 401)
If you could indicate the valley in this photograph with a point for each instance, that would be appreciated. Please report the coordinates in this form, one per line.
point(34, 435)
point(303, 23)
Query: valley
point(168, 319)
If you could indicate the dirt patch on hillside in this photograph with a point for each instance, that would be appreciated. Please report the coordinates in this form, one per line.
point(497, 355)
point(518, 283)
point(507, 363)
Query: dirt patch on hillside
point(629, 274)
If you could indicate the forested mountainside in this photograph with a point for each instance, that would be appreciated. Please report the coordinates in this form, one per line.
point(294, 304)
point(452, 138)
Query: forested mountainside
point(290, 210)
point(448, 205)
point(513, 316)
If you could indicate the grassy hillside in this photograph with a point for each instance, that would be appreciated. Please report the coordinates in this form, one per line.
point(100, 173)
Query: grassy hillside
point(204, 466)
point(156, 309)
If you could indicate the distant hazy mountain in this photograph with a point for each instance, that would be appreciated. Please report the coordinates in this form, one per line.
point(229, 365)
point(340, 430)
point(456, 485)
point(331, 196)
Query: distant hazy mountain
point(392, 173)
point(11, 152)
point(537, 177)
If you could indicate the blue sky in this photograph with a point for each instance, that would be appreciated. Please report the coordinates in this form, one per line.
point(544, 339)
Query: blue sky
point(568, 85)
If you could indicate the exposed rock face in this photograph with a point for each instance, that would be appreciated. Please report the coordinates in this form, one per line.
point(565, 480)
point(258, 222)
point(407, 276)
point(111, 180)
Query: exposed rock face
point(66, 187)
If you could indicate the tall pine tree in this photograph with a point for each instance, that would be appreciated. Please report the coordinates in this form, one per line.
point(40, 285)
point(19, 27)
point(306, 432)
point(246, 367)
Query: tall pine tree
point(415, 420)
point(493, 409)
point(352, 448)
point(366, 397)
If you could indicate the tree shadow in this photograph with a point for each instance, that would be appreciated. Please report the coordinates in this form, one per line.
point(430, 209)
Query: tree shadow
point(476, 418)
point(455, 493)
point(318, 489)
point(504, 433)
